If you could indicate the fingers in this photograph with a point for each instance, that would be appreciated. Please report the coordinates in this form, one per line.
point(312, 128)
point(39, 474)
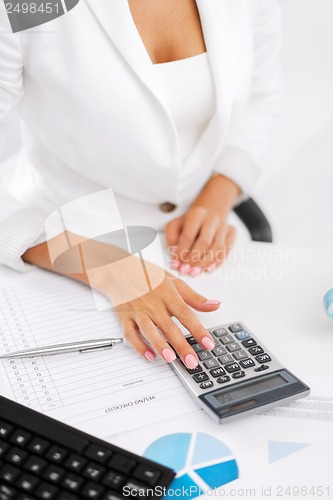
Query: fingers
point(205, 239)
point(189, 232)
point(131, 335)
point(195, 300)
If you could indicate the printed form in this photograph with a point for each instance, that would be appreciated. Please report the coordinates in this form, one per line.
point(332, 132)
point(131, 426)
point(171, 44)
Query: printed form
point(101, 392)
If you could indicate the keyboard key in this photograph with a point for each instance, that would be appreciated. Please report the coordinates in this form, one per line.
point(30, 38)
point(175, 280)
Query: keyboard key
point(232, 367)
point(92, 490)
point(93, 471)
point(263, 358)
point(206, 385)
point(204, 355)
point(219, 332)
point(226, 358)
point(147, 474)
point(219, 351)
point(20, 438)
point(192, 371)
point(217, 372)
point(72, 482)
point(257, 349)
point(114, 480)
point(54, 474)
point(226, 339)
point(242, 335)
point(64, 495)
point(236, 327)
point(27, 482)
point(238, 355)
point(56, 454)
point(237, 375)
point(47, 492)
point(223, 379)
point(200, 377)
point(211, 363)
point(16, 456)
point(75, 463)
point(35, 465)
point(97, 453)
point(3, 448)
point(5, 430)
point(247, 363)
point(122, 463)
point(8, 492)
point(112, 496)
point(249, 343)
point(9, 474)
point(38, 446)
point(137, 489)
point(233, 347)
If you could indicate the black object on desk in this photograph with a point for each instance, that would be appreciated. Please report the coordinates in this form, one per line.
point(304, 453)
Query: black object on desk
point(41, 458)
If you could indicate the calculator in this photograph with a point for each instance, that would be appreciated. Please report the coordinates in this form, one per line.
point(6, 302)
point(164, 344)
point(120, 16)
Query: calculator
point(239, 376)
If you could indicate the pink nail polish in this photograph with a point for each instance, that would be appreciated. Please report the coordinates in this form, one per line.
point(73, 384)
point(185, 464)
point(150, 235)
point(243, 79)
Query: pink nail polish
point(184, 269)
point(191, 361)
point(208, 343)
point(150, 356)
point(195, 271)
point(210, 268)
point(168, 355)
point(213, 302)
point(175, 264)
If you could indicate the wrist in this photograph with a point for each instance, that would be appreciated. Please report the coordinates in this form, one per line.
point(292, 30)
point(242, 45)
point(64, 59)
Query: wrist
point(219, 195)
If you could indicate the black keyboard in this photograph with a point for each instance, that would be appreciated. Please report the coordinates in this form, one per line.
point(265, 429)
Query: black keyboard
point(41, 458)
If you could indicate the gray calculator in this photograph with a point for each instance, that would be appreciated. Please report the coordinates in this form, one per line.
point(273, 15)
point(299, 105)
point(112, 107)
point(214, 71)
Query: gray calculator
point(239, 376)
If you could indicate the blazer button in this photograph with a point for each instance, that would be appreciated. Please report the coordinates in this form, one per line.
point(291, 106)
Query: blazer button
point(167, 207)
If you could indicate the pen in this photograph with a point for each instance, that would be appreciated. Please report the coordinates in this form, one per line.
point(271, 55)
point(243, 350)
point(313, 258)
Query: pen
point(82, 346)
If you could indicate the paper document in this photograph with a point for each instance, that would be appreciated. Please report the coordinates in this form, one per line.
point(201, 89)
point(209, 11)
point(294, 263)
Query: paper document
point(101, 392)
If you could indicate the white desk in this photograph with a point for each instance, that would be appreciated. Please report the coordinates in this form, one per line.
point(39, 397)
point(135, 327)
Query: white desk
point(278, 294)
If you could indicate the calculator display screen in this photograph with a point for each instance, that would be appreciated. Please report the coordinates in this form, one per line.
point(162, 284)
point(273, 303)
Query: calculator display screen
point(251, 389)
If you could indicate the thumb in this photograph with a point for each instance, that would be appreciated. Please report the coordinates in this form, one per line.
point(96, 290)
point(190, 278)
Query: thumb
point(195, 300)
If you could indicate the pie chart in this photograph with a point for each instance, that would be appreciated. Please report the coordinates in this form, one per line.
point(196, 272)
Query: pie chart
point(201, 462)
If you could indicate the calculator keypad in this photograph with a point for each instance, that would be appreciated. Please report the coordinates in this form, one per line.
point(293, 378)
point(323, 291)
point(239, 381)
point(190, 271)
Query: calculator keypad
point(236, 355)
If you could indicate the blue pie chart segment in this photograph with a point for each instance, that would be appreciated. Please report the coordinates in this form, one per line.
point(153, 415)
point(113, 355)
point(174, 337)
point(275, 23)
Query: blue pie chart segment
point(200, 460)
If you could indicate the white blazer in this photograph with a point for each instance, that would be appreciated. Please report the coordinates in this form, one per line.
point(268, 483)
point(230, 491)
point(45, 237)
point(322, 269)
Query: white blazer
point(94, 116)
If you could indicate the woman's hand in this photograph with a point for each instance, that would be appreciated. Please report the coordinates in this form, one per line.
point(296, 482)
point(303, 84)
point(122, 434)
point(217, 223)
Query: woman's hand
point(199, 240)
point(147, 319)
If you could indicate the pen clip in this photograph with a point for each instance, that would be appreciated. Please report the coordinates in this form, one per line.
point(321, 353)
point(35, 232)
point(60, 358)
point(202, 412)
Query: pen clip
point(95, 348)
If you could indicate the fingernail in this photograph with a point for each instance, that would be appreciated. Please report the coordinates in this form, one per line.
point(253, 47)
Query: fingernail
point(191, 361)
point(168, 355)
point(172, 248)
point(150, 356)
point(213, 302)
point(175, 264)
point(184, 269)
point(208, 343)
point(195, 271)
point(210, 268)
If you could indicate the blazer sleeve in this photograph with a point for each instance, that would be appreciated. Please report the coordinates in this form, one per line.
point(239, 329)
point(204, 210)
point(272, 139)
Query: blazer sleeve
point(21, 227)
point(250, 128)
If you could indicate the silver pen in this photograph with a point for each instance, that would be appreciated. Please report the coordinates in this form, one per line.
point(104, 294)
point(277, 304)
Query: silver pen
point(49, 350)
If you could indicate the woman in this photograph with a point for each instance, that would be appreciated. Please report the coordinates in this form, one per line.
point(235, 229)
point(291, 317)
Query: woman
point(169, 103)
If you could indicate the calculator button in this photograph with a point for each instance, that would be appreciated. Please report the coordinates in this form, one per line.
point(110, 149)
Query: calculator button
point(218, 351)
point(257, 349)
point(217, 372)
point(232, 367)
point(247, 363)
point(233, 347)
point(261, 368)
point(242, 335)
point(263, 358)
point(223, 379)
point(249, 343)
point(236, 327)
point(200, 377)
point(238, 374)
point(211, 363)
point(191, 340)
point(207, 384)
point(197, 347)
point(204, 355)
point(226, 339)
point(197, 369)
point(227, 358)
point(238, 355)
point(219, 332)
